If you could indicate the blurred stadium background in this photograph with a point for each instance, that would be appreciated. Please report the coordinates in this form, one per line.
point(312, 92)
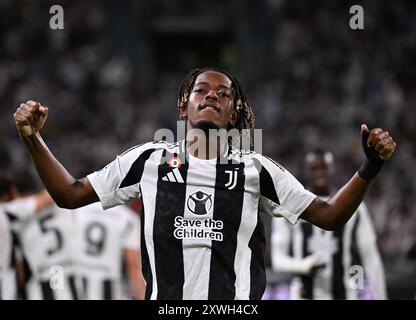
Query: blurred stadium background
point(110, 79)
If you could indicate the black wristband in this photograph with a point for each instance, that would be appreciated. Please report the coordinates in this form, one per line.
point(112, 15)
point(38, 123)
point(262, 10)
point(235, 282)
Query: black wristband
point(373, 163)
point(369, 169)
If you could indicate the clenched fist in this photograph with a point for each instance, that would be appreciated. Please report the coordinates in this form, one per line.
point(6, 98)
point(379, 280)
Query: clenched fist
point(30, 118)
point(380, 141)
point(378, 147)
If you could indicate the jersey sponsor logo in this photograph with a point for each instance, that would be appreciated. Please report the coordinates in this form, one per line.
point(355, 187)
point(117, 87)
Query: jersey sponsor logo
point(173, 176)
point(199, 203)
point(206, 229)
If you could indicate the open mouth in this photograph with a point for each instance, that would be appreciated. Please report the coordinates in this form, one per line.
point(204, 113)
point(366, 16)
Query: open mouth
point(208, 105)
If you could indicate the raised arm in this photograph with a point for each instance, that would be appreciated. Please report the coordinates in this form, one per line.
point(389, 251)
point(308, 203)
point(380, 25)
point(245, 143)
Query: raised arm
point(378, 147)
point(67, 191)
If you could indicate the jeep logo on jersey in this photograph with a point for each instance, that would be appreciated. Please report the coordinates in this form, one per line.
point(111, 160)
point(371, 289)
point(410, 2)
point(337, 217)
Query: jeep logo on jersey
point(199, 203)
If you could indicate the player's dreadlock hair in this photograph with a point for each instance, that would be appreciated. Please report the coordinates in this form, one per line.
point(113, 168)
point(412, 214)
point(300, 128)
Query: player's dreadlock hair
point(245, 116)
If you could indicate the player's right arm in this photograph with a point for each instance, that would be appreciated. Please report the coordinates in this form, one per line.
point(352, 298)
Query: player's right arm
point(67, 191)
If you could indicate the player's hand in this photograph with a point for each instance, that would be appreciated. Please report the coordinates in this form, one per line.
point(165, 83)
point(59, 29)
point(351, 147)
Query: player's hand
point(30, 118)
point(378, 147)
point(378, 140)
point(312, 264)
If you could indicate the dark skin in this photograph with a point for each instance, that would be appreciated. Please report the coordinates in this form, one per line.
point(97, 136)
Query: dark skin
point(211, 105)
point(70, 193)
point(210, 101)
point(318, 171)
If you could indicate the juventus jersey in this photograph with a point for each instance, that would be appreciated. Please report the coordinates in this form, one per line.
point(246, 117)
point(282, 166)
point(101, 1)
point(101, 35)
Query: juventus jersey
point(350, 254)
point(47, 245)
point(11, 213)
point(202, 237)
point(100, 237)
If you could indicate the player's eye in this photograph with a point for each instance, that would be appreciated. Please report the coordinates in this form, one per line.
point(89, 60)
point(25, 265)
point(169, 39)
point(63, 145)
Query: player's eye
point(224, 94)
point(200, 90)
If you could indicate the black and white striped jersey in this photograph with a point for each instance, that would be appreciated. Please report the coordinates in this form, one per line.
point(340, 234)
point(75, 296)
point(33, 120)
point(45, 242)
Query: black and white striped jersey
point(47, 243)
point(350, 256)
point(11, 214)
point(100, 238)
point(77, 254)
point(202, 237)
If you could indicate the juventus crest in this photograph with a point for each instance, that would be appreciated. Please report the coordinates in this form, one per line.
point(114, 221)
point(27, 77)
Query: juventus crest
point(232, 179)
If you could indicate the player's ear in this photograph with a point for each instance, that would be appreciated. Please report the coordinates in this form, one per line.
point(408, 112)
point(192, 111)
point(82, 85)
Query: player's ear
point(233, 117)
point(183, 111)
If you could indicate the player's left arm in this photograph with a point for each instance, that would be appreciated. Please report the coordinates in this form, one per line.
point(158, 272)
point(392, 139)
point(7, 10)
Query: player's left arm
point(333, 214)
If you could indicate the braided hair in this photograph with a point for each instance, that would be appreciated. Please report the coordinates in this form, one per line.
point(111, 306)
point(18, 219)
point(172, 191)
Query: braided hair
point(245, 116)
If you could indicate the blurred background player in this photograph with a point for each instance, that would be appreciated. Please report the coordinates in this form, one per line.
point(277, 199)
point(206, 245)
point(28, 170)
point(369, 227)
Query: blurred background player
point(47, 243)
point(107, 253)
point(15, 208)
point(321, 261)
point(45, 249)
point(80, 254)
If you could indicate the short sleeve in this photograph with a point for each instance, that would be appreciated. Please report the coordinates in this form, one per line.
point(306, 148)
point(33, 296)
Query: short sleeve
point(281, 194)
point(119, 181)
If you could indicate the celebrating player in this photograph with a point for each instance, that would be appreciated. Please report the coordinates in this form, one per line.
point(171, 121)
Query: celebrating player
point(202, 236)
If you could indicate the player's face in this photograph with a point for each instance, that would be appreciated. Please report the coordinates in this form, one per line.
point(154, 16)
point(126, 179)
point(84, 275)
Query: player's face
point(210, 102)
point(317, 171)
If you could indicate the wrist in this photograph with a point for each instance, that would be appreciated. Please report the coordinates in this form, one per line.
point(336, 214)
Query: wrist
point(369, 169)
point(32, 141)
